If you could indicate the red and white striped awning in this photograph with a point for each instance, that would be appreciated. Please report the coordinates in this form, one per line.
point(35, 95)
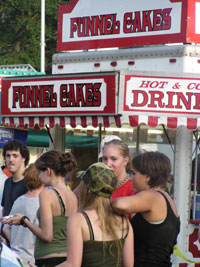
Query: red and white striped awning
point(106, 121)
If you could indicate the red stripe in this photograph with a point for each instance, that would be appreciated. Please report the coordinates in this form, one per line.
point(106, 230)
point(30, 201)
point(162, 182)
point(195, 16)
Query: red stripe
point(134, 120)
point(118, 121)
point(106, 121)
point(41, 122)
point(31, 122)
point(94, 121)
point(51, 122)
point(172, 123)
point(62, 122)
point(73, 122)
point(192, 124)
point(12, 124)
point(83, 122)
point(152, 121)
point(21, 122)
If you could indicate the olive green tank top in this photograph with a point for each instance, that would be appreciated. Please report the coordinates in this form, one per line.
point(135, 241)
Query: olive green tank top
point(58, 243)
point(101, 253)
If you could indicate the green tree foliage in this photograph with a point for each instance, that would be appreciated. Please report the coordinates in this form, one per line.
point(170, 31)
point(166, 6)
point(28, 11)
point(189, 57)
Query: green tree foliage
point(20, 28)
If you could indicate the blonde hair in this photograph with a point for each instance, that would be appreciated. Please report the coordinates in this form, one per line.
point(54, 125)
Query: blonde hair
point(107, 217)
point(123, 149)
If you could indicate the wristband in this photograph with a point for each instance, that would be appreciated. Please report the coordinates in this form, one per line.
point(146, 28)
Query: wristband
point(23, 219)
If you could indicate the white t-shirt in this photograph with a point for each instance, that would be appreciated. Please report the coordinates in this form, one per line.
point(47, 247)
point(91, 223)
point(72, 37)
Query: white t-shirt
point(22, 240)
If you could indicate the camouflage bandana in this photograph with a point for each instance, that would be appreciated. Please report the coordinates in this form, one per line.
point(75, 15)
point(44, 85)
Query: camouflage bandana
point(100, 179)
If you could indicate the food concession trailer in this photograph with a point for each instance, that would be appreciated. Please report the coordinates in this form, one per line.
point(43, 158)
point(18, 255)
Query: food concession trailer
point(150, 75)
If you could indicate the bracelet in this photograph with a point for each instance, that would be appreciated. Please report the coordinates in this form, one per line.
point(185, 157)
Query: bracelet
point(23, 219)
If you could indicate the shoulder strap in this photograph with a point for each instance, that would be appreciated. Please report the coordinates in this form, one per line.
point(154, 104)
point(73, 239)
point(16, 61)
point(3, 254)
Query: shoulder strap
point(167, 201)
point(62, 205)
point(89, 225)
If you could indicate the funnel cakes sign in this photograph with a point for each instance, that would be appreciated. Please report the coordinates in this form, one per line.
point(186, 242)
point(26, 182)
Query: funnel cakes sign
point(59, 95)
point(87, 24)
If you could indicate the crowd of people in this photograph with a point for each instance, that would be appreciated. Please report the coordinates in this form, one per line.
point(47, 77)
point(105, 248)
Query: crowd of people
point(118, 215)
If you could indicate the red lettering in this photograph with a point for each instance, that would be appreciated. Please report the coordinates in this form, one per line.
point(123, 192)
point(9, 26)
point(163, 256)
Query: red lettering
point(153, 84)
point(136, 98)
point(94, 25)
point(127, 22)
point(88, 95)
point(108, 25)
point(38, 97)
point(186, 102)
point(166, 23)
point(143, 21)
point(16, 90)
point(30, 98)
point(63, 95)
point(170, 99)
point(192, 86)
point(97, 94)
point(137, 23)
point(71, 96)
point(22, 101)
point(99, 25)
point(157, 19)
point(145, 84)
point(73, 27)
point(146, 22)
point(79, 95)
point(156, 96)
point(197, 105)
point(90, 26)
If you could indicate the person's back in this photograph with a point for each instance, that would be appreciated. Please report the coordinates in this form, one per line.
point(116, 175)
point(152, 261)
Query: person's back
point(63, 203)
point(154, 242)
point(97, 237)
point(99, 249)
point(156, 223)
point(57, 202)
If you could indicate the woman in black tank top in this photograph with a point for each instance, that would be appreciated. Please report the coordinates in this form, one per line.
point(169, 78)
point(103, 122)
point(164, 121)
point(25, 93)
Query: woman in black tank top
point(156, 224)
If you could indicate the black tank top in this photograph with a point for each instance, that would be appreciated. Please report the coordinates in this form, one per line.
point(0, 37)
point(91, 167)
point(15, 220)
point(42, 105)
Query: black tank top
point(154, 242)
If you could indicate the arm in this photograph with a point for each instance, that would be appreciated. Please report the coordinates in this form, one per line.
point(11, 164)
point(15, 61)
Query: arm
point(45, 232)
point(6, 231)
point(74, 241)
point(141, 202)
point(128, 249)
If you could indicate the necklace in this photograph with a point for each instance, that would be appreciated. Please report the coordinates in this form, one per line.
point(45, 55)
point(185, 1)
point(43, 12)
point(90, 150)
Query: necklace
point(122, 182)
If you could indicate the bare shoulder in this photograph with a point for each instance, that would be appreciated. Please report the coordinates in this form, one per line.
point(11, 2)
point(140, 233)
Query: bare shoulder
point(46, 192)
point(76, 218)
point(70, 193)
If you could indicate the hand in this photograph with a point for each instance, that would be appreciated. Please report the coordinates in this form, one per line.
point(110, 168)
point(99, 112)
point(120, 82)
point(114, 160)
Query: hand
point(13, 220)
point(31, 264)
point(3, 240)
